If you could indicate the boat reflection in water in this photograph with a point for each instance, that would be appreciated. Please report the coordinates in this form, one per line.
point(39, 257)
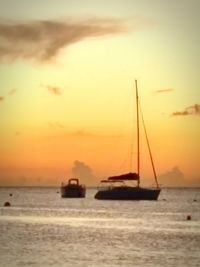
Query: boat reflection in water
point(124, 192)
point(73, 189)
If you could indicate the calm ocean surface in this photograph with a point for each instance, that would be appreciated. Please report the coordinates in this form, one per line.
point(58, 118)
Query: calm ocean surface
point(42, 229)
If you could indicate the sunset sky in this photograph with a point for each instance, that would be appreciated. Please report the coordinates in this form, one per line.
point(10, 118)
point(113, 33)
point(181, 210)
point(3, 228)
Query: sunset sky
point(67, 94)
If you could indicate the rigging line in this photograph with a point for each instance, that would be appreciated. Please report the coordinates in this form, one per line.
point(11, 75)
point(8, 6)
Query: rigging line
point(132, 138)
point(131, 154)
point(150, 154)
point(138, 133)
point(123, 166)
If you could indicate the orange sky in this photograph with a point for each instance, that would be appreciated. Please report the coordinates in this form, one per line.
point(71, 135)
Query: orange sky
point(67, 96)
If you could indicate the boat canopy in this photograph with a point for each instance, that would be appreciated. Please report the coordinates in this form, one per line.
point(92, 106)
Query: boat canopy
point(112, 181)
point(128, 176)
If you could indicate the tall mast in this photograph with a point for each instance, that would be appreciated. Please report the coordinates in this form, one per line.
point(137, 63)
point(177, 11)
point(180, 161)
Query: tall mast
point(138, 134)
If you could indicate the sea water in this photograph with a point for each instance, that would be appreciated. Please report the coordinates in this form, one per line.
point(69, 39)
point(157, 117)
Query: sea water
point(42, 229)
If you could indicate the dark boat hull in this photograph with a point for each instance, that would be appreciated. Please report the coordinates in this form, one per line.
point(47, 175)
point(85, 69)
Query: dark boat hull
point(128, 193)
point(73, 191)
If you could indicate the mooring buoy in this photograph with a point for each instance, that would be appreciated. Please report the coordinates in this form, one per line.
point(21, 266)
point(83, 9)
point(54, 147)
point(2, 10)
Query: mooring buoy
point(7, 204)
point(188, 217)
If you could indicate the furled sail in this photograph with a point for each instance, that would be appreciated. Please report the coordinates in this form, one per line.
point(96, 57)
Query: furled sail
point(127, 176)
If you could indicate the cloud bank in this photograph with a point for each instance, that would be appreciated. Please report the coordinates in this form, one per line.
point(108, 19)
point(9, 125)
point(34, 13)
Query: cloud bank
point(191, 110)
point(173, 177)
point(83, 172)
point(42, 40)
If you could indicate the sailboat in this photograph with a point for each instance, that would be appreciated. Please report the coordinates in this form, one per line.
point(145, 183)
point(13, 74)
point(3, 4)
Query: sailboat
point(115, 187)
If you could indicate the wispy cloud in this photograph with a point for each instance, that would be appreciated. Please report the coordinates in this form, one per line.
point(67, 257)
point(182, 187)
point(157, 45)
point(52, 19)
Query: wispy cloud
point(54, 90)
point(191, 110)
point(164, 90)
point(56, 124)
point(84, 134)
point(12, 92)
point(43, 39)
point(79, 134)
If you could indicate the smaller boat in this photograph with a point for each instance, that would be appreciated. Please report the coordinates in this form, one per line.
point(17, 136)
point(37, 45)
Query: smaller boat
point(73, 189)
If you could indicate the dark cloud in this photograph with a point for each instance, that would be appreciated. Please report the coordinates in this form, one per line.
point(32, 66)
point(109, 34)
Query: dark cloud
point(83, 172)
point(164, 90)
point(191, 110)
point(1, 98)
point(43, 39)
point(54, 90)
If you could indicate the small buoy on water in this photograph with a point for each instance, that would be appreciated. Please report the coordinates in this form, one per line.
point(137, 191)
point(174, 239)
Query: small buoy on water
point(188, 217)
point(7, 204)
